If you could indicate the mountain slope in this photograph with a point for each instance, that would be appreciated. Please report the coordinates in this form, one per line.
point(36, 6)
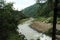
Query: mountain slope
point(32, 10)
point(38, 10)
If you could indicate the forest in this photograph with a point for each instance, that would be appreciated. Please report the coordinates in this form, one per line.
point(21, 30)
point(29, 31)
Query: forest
point(9, 18)
point(8, 22)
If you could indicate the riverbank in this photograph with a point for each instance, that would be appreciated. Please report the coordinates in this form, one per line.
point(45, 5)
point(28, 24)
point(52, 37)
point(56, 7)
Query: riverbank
point(30, 33)
point(40, 26)
point(43, 27)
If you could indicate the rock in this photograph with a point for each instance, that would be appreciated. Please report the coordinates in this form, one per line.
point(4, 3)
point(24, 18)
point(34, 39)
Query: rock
point(40, 26)
point(58, 37)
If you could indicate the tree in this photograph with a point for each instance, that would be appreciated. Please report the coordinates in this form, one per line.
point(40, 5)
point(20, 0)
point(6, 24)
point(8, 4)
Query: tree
point(8, 20)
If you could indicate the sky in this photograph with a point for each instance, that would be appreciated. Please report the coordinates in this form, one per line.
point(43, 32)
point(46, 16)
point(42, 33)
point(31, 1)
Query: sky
point(21, 4)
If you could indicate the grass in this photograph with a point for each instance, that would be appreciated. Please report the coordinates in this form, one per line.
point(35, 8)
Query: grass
point(47, 20)
point(44, 19)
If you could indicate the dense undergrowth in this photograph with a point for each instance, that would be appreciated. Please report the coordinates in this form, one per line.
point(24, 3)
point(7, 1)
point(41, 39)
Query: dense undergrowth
point(9, 19)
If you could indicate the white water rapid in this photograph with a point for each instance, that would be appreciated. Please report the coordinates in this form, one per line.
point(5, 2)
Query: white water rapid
point(31, 33)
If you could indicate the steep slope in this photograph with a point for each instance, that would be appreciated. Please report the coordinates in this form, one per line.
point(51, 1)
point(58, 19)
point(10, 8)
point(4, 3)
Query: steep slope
point(45, 11)
point(32, 11)
point(38, 10)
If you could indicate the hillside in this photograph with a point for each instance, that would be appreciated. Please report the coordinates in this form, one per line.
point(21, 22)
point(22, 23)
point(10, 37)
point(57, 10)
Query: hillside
point(32, 11)
point(37, 10)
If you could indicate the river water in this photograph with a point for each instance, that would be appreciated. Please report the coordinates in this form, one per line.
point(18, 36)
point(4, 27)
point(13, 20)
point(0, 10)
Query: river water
point(31, 33)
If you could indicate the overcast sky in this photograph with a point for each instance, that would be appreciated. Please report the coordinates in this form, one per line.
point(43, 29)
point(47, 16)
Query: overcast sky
point(21, 4)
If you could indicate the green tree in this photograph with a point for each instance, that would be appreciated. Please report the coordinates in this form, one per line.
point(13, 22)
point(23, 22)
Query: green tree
point(9, 20)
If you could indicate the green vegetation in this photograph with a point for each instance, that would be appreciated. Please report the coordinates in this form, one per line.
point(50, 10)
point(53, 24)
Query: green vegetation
point(38, 10)
point(49, 32)
point(58, 20)
point(9, 19)
point(42, 12)
point(58, 32)
point(23, 20)
point(32, 10)
point(44, 19)
point(15, 36)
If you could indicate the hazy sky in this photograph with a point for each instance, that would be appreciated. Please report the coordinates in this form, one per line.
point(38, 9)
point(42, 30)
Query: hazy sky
point(21, 4)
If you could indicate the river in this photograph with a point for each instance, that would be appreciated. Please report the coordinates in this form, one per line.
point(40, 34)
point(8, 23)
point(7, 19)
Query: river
point(30, 33)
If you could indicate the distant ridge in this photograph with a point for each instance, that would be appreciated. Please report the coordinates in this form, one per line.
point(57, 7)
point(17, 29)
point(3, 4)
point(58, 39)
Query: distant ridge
point(38, 10)
point(32, 10)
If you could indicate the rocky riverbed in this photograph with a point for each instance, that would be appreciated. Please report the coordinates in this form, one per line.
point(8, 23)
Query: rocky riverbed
point(30, 33)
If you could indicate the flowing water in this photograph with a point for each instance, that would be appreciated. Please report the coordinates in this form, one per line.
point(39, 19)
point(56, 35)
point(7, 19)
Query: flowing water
point(31, 33)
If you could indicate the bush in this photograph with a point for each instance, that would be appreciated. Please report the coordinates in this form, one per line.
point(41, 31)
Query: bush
point(15, 36)
point(8, 21)
point(50, 20)
point(49, 32)
point(58, 32)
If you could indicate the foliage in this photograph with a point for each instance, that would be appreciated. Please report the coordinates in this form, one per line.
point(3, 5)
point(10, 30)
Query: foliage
point(57, 32)
point(58, 20)
point(38, 10)
point(33, 10)
point(23, 20)
point(40, 19)
point(50, 20)
point(8, 20)
point(15, 36)
point(49, 32)
point(44, 19)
